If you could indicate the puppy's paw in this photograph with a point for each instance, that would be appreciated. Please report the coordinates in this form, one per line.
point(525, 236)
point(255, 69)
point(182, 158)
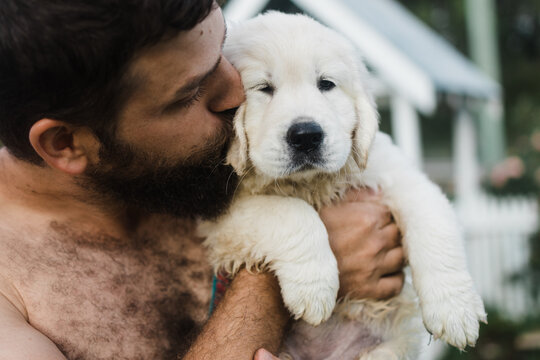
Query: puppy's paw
point(380, 353)
point(454, 316)
point(310, 292)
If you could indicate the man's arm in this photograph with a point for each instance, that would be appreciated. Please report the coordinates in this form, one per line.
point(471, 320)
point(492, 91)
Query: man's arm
point(19, 340)
point(250, 316)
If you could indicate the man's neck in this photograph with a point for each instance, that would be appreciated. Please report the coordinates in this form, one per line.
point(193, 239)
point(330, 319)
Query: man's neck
point(60, 197)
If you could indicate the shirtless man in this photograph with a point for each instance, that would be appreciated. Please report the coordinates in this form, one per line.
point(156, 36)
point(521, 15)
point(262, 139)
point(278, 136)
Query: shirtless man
point(115, 116)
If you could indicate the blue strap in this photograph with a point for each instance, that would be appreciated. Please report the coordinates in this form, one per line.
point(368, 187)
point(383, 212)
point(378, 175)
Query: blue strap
point(213, 298)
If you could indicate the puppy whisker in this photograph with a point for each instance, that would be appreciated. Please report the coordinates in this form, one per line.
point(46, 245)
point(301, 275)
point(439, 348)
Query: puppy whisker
point(242, 178)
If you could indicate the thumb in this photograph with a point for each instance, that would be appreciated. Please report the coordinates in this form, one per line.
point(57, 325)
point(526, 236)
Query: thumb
point(263, 354)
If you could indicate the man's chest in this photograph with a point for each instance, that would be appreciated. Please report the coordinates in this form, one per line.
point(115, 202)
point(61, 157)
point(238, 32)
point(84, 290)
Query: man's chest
point(117, 302)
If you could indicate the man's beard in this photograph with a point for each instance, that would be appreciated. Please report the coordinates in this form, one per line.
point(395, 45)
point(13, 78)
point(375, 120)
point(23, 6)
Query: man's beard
point(199, 186)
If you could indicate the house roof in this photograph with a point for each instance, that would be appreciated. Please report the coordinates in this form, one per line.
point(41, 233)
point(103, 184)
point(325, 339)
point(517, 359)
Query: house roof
point(448, 68)
point(413, 60)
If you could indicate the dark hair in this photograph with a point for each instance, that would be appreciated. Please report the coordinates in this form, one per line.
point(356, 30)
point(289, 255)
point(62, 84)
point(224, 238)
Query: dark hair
point(67, 59)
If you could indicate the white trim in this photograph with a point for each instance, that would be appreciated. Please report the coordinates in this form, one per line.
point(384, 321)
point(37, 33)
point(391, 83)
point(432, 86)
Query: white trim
point(466, 177)
point(405, 77)
point(406, 129)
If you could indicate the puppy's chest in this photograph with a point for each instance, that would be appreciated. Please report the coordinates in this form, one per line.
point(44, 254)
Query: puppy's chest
point(335, 339)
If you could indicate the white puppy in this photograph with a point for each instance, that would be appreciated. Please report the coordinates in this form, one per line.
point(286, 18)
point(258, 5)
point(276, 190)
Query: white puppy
point(306, 133)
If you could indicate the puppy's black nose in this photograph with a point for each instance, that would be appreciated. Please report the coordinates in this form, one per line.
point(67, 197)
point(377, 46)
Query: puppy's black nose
point(305, 136)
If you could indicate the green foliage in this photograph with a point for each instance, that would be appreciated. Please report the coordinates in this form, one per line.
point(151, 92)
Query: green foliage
point(530, 275)
point(533, 276)
point(519, 41)
point(446, 17)
point(499, 340)
point(535, 266)
point(518, 24)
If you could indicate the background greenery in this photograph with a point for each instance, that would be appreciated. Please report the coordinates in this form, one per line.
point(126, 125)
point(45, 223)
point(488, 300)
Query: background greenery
point(518, 25)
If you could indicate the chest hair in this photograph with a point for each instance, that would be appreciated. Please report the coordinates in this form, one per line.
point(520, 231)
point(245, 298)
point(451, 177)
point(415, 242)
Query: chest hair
point(97, 296)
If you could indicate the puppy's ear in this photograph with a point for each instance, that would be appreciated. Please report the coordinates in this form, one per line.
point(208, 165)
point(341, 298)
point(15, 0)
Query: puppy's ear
point(237, 156)
point(367, 124)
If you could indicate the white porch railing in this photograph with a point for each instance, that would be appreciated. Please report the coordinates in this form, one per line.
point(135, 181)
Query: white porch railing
point(497, 232)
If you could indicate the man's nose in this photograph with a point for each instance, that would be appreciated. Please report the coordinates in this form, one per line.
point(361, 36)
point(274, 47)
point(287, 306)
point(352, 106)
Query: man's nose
point(228, 90)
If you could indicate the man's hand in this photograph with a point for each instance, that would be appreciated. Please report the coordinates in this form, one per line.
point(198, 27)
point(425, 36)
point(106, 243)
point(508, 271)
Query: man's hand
point(263, 354)
point(367, 246)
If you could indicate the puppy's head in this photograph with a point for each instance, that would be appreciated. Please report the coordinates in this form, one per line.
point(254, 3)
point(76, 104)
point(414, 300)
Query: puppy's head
point(306, 108)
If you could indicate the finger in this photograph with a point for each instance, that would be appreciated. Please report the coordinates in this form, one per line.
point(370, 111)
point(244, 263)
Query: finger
point(366, 238)
point(359, 216)
point(389, 237)
point(385, 218)
point(371, 215)
point(362, 195)
point(393, 262)
point(389, 286)
point(263, 354)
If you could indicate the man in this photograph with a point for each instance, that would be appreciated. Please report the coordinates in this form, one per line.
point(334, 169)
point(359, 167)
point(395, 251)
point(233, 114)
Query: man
point(115, 116)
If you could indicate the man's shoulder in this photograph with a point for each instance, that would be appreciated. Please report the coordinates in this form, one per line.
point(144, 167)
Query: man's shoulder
point(10, 299)
point(14, 233)
point(18, 339)
point(21, 230)
point(18, 227)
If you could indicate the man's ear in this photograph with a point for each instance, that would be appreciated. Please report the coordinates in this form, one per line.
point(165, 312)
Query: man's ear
point(63, 146)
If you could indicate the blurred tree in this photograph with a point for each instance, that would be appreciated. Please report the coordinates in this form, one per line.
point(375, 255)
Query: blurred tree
point(499, 341)
point(519, 44)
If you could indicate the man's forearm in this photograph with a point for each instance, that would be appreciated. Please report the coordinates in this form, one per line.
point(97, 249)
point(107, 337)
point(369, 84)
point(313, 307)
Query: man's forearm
point(250, 316)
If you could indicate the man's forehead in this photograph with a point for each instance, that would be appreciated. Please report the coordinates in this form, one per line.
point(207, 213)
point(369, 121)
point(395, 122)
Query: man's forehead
point(187, 54)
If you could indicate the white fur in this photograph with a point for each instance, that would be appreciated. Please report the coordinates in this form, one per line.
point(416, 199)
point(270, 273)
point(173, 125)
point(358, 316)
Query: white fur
point(273, 222)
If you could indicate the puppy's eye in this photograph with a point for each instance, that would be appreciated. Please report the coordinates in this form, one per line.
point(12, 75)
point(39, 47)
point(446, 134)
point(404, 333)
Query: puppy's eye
point(266, 88)
point(325, 85)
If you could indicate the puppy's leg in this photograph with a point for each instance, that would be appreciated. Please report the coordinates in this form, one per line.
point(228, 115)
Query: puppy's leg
point(286, 235)
point(450, 305)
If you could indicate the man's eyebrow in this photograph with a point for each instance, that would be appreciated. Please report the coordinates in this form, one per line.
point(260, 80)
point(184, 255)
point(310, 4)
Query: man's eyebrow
point(196, 82)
